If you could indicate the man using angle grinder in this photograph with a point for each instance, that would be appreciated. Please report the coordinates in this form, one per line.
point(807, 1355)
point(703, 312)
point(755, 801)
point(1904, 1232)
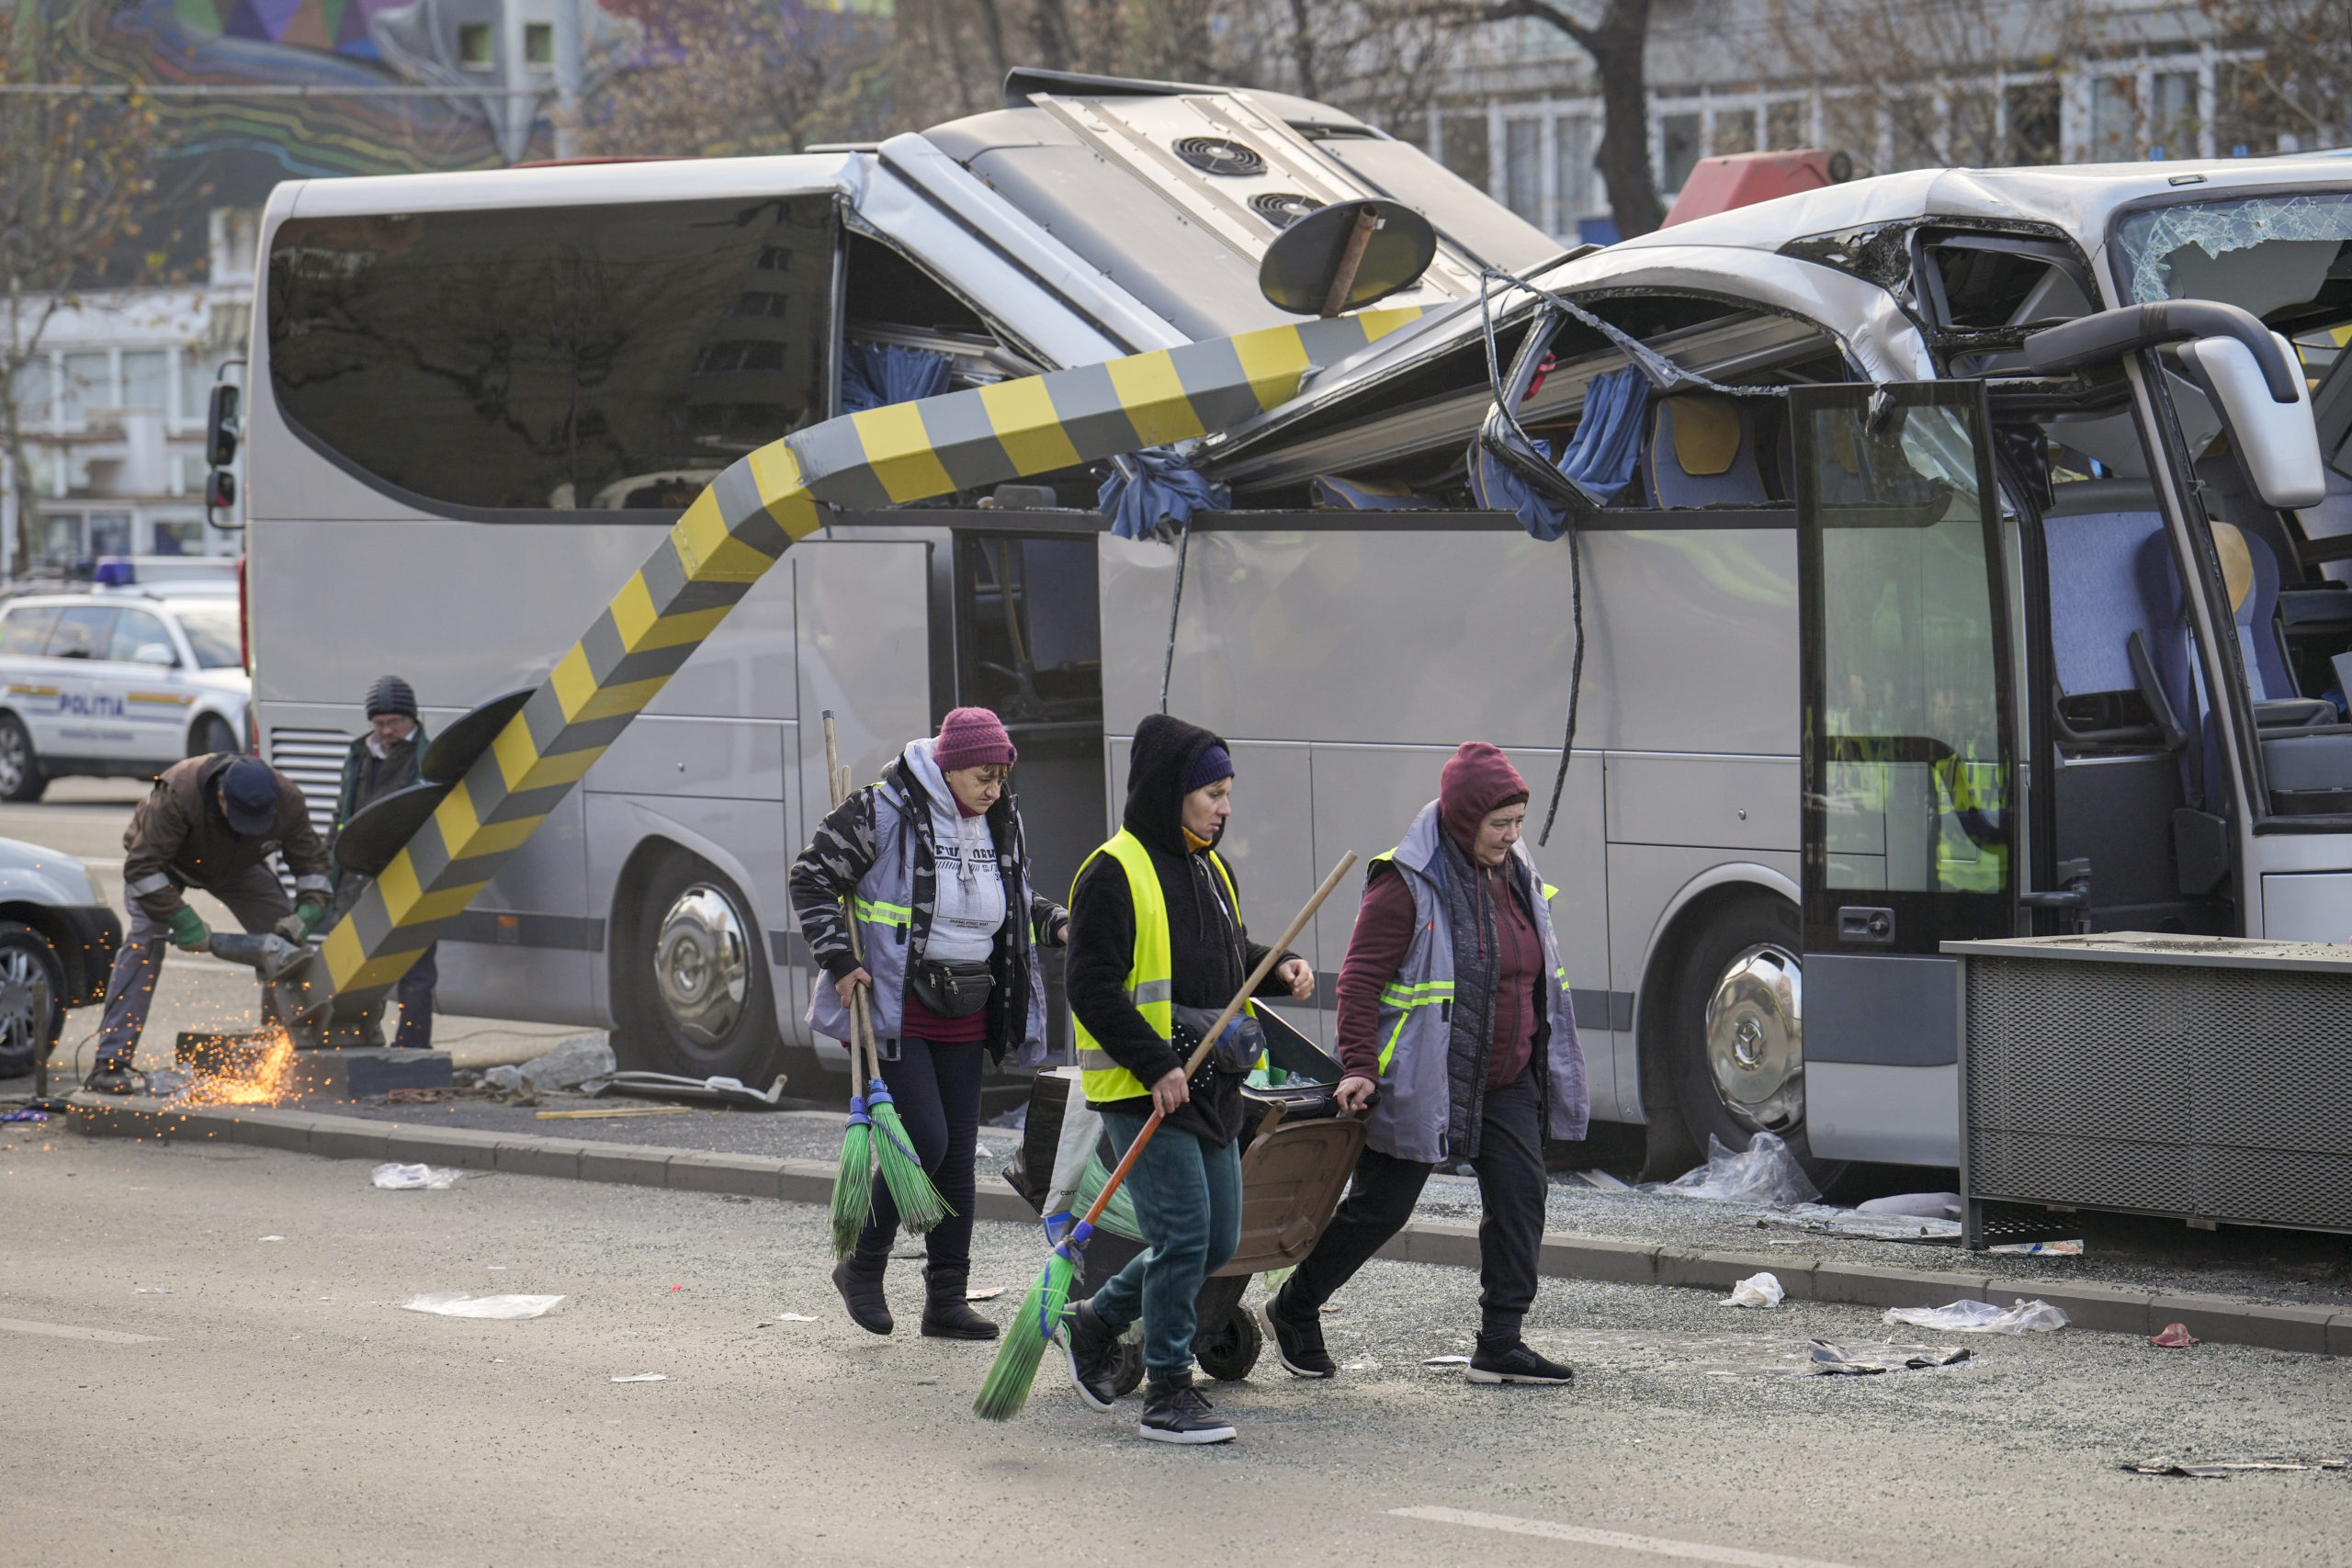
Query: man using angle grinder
point(1156, 942)
point(210, 823)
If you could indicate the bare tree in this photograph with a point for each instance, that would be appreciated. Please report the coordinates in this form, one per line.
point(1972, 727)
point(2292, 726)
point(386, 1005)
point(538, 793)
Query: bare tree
point(1617, 40)
point(2300, 86)
point(737, 77)
point(73, 171)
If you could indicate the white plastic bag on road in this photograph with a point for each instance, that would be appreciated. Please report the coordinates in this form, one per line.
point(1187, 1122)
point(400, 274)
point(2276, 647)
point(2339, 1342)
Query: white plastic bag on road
point(457, 1303)
point(408, 1177)
point(1983, 1317)
point(1759, 1290)
point(1765, 1173)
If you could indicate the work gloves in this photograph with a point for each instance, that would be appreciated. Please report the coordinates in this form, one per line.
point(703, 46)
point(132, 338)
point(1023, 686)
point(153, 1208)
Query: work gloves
point(188, 929)
point(298, 926)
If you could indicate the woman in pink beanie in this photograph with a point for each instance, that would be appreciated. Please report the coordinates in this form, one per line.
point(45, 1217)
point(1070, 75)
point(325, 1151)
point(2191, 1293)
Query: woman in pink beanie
point(932, 860)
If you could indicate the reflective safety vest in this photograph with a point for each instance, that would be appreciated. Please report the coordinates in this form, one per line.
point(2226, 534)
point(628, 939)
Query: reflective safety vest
point(1151, 976)
point(1413, 1119)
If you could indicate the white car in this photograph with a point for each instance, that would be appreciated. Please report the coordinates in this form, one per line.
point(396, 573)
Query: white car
point(118, 682)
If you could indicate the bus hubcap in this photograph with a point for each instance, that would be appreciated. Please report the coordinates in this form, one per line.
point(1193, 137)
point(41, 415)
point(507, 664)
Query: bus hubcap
point(702, 964)
point(1755, 1039)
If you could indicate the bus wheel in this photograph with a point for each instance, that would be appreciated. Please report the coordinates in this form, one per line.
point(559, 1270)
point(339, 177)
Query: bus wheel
point(699, 989)
point(1738, 1031)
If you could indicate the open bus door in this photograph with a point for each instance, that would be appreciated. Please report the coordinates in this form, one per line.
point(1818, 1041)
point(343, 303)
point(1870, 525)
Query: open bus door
point(1910, 830)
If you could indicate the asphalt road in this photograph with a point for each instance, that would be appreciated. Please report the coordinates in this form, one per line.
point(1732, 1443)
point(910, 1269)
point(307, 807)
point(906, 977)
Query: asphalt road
point(281, 1407)
point(86, 817)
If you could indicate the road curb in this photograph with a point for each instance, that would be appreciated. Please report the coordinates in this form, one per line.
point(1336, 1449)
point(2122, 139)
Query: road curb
point(2224, 1320)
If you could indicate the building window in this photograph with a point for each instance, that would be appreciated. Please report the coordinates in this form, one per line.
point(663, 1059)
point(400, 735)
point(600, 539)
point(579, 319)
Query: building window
point(88, 384)
point(109, 533)
point(37, 391)
point(1465, 148)
point(1572, 160)
point(1784, 125)
point(1523, 168)
point(538, 43)
point(1975, 129)
point(476, 50)
point(1850, 126)
point(179, 536)
point(1735, 131)
point(2172, 114)
point(2115, 119)
point(2033, 112)
point(147, 381)
point(1918, 138)
point(1678, 148)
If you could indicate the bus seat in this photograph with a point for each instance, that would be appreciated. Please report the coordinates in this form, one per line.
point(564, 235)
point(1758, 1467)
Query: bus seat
point(2095, 602)
point(2250, 572)
point(1701, 452)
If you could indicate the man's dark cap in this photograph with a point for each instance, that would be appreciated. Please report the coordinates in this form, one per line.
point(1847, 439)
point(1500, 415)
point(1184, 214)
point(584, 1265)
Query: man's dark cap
point(249, 796)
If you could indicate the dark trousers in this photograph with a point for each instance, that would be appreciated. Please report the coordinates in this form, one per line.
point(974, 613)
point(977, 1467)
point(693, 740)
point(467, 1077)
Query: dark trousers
point(254, 897)
point(1511, 1189)
point(416, 994)
point(937, 1091)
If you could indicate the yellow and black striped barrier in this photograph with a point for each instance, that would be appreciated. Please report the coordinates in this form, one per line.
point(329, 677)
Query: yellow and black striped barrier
point(738, 527)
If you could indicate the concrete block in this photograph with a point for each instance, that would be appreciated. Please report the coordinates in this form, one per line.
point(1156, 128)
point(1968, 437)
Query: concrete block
point(809, 1181)
point(365, 1073)
point(1448, 1242)
point(459, 1147)
point(1707, 1270)
point(127, 1118)
point(1592, 1258)
point(526, 1155)
point(629, 1165)
point(2226, 1321)
point(269, 1129)
point(2339, 1334)
point(2107, 1309)
point(995, 1202)
point(1856, 1285)
point(755, 1177)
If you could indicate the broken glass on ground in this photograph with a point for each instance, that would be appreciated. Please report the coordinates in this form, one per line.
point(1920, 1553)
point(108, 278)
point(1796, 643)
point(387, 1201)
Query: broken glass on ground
point(1968, 1316)
point(1835, 1361)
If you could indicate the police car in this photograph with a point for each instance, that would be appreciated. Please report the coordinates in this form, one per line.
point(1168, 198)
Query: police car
point(120, 680)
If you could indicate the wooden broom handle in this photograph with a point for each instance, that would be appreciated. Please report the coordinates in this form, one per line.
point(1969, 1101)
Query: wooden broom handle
point(1209, 1041)
point(856, 947)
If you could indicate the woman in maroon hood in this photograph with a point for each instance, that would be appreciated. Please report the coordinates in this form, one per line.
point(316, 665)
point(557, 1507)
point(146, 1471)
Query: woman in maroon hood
point(1455, 1033)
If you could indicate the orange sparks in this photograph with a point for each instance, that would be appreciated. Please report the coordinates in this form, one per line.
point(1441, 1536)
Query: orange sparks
point(272, 1080)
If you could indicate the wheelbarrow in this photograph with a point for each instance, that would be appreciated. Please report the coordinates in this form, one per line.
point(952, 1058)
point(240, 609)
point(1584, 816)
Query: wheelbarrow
point(1297, 1152)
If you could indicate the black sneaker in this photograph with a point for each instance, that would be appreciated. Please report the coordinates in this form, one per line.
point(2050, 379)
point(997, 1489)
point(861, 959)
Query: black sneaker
point(1174, 1411)
point(1299, 1345)
point(115, 1080)
point(1515, 1362)
point(1092, 1346)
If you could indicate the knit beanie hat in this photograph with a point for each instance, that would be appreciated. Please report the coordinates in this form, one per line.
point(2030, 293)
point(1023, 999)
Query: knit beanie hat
point(970, 738)
point(1478, 781)
point(1215, 763)
point(392, 694)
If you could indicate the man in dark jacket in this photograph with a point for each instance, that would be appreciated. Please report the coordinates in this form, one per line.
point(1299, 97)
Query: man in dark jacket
point(1156, 931)
point(209, 823)
point(380, 762)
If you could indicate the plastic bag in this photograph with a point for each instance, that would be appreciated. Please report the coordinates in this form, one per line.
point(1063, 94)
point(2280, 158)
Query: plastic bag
point(1766, 1173)
point(1759, 1290)
point(457, 1303)
point(397, 1178)
point(1983, 1317)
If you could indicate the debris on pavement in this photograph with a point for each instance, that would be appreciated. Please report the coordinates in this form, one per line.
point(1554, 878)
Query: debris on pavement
point(1824, 1219)
point(983, 1293)
point(1016, 1118)
point(2039, 1249)
point(1600, 1180)
point(1445, 1361)
point(2176, 1336)
point(153, 1290)
point(394, 1177)
point(1757, 1290)
point(607, 1112)
point(1918, 1205)
point(2222, 1469)
point(25, 1114)
point(645, 1377)
point(1835, 1361)
point(458, 1304)
point(273, 1239)
point(569, 1065)
point(505, 1082)
point(1766, 1172)
point(165, 1082)
point(1967, 1316)
point(729, 1092)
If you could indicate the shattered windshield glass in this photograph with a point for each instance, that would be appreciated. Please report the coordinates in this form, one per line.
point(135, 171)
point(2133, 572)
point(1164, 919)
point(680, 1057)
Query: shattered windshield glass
point(2286, 259)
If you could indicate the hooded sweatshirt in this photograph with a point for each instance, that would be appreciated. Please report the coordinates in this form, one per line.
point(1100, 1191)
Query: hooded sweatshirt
point(970, 910)
point(1478, 781)
point(1211, 948)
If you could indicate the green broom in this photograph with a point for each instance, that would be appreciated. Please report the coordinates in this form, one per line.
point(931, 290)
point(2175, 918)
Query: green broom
point(1006, 1388)
point(853, 1182)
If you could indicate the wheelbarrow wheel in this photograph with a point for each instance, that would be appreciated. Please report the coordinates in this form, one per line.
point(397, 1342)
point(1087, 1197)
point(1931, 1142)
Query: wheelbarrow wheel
point(1130, 1367)
point(1228, 1348)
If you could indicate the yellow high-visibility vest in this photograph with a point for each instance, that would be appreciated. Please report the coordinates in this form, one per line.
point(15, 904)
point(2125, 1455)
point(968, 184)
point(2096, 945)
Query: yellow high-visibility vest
point(1151, 975)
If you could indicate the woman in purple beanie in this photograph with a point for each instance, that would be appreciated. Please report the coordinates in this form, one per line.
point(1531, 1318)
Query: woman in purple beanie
point(931, 860)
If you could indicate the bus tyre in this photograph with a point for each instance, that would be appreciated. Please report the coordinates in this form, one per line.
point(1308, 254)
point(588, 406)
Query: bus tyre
point(699, 1001)
point(211, 735)
point(1737, 1032)
point(21, 777)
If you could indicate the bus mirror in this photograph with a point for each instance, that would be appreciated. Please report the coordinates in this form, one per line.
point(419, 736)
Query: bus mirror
point(2277, 441)
point(220, 495)
point(221, 428)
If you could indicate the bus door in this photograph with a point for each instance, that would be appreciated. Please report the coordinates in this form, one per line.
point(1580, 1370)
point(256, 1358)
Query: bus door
point(1910, 836)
